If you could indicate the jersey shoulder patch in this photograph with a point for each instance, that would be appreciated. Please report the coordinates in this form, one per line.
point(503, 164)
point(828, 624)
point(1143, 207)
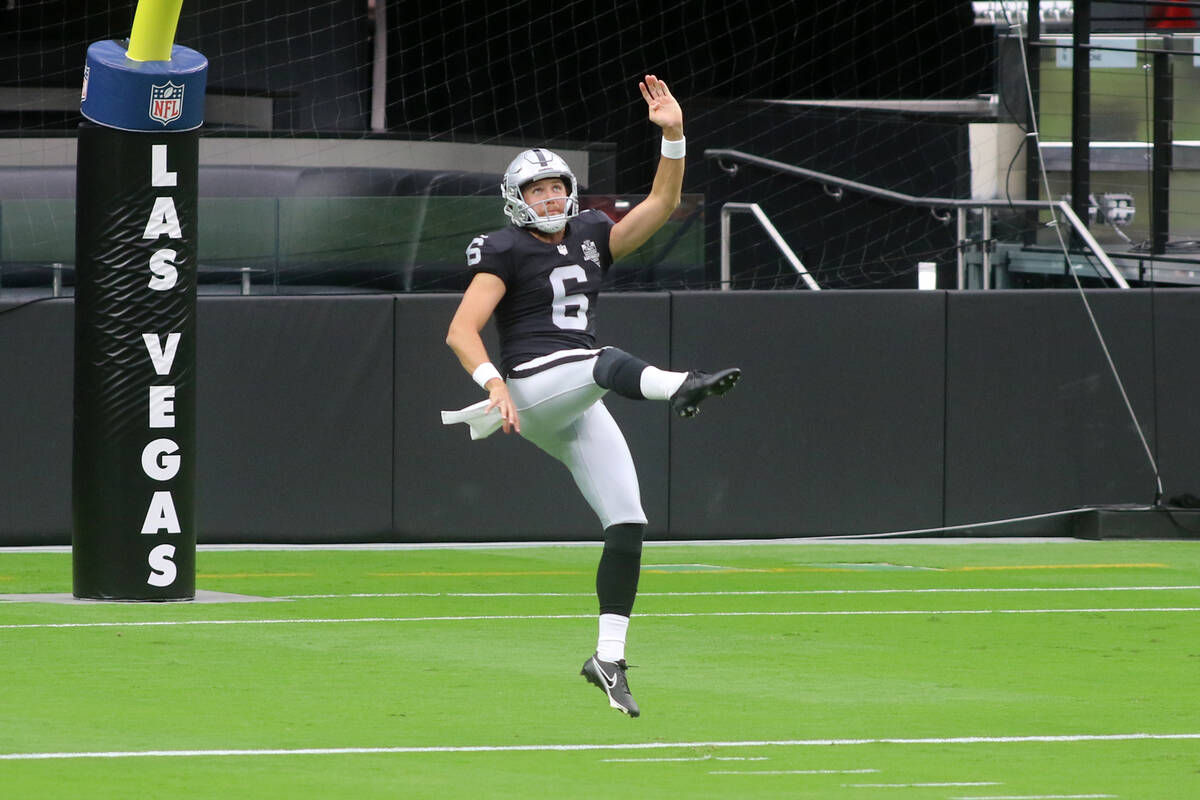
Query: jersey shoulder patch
point(592, 230)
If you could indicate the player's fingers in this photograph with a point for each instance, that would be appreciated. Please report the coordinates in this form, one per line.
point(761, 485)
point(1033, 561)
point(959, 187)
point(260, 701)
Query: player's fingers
point(508, 414)
point(503, 408)
point(510, 420)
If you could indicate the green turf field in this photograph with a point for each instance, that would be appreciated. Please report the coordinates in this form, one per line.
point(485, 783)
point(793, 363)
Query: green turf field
point(874, 671)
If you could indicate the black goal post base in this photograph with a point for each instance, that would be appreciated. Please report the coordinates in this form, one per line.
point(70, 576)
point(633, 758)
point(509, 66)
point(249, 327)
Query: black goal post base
point(133, 470)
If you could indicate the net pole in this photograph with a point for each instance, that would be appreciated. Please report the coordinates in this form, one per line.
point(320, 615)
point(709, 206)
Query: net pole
point(1033, 70)
point(1081, 112)
point(133, 467)
point(379, 69)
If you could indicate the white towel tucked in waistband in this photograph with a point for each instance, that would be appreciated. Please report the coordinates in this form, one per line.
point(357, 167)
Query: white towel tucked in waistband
point(482, 424)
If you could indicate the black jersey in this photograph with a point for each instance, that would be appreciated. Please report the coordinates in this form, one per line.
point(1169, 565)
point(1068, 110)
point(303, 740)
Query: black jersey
point(550, 301)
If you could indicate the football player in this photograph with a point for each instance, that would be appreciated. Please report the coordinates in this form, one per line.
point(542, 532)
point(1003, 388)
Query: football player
point(540, 279)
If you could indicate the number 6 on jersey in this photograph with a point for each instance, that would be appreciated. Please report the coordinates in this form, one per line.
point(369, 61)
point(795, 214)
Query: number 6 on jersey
point(576, 321)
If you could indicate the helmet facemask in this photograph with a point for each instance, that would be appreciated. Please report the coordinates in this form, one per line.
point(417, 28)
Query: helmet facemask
point(534, 165)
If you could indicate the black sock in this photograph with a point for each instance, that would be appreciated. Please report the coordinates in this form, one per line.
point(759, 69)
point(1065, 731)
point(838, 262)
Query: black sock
point(619, 569)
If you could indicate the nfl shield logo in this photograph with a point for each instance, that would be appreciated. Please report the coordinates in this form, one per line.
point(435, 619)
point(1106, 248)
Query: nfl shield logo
point(166, 102)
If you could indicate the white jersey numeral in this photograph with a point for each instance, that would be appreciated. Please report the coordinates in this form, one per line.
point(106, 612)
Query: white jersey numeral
point(474, 251)
point(569, 310)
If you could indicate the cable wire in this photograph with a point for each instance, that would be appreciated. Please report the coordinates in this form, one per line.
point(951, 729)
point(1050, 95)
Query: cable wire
point(1034, 134)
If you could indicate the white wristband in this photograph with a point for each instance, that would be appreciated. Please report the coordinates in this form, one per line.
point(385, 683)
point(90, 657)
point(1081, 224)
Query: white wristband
point(676, 149)
point(484, 373)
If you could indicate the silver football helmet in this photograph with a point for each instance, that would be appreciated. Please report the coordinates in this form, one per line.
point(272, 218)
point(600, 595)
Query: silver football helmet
point(533, 165)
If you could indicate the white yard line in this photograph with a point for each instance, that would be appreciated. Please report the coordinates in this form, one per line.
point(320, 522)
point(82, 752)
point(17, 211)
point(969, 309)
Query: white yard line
point(210, 597)
point(688, 759)
point(1035, 797)
point(550, 748)
point(756, 593)
point(532, 617)
point(927, 785)
point(882, 538)
point(793, 772)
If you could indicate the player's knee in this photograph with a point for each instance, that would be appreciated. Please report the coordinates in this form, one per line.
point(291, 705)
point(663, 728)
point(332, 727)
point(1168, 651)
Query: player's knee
point(625, 537)
point(620, 372)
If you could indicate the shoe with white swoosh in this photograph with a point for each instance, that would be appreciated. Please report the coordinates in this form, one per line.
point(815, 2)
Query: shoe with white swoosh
point(610, 676)
point(699, 385)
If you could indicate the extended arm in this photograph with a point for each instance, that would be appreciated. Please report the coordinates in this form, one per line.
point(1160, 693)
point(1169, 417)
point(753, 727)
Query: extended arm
point(644, 219)
point(474, 310)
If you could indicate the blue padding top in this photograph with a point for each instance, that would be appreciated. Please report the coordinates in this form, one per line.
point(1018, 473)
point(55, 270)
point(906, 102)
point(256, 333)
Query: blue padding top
point(144, 95)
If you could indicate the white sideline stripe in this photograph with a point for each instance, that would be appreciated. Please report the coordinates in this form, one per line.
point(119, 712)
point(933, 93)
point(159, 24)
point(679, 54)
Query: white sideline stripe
point(752, 593)
point(794, 772)
point(958, 784)
point(689, 758)
point(533, 617)
point(1035, 797)
point(544, 748)
point(886, 538)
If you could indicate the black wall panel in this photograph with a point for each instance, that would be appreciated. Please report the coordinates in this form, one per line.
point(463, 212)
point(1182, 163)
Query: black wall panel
point(37, 353)
point(294, 419)
point(858, 412)
point(836, 426)
point(448, 486)
point(1177, 390)
point(1035, 422)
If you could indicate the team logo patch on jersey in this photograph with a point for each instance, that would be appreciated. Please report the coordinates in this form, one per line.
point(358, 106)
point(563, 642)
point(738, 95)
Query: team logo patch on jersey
point(166, 102)
point(562, 249)
point(590, 252)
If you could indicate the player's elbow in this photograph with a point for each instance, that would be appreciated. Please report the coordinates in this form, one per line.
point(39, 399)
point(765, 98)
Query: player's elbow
point(666, 209)
point(668, 201)
point(667, 197)
point(454, 336)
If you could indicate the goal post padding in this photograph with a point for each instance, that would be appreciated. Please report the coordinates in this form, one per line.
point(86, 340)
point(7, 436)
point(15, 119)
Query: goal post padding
point(133, 470)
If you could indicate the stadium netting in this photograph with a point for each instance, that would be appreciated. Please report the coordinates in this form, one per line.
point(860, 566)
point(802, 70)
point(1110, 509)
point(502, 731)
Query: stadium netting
point(356, 145)
point(316, 172)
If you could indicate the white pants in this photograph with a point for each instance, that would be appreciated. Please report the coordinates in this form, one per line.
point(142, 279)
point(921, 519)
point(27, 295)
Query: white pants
point(562, 413)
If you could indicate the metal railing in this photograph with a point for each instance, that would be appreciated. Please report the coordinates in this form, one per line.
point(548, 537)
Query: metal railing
point(728, 210)
point(729, 159)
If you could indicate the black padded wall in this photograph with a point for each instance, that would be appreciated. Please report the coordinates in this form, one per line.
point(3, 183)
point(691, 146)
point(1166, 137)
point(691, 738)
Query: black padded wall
point(836, 426)
point(859, 412)
point(1035, 422)
point(37, 353)
point(1177, 390)
point(295, 419)
point(450, 487)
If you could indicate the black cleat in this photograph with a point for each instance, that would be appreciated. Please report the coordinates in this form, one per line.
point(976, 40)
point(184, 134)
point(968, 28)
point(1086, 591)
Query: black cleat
point(610, 676)
point(699, 385)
